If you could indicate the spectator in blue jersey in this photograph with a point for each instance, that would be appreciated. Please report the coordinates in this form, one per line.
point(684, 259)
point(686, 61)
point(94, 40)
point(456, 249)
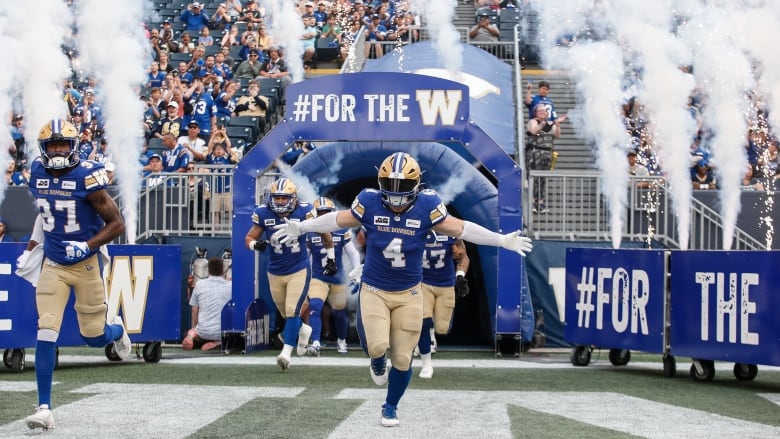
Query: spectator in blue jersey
point(152, 177)
point(93, 114)
point(329, 280)
point(193, 17)
point(542, 98)
point(321, 14)
point(17, 129)
point(221, 19)
point(184, 75)
point(175, 157)
point(88, 147)
point(397, 217)
point(226, 100)
point(14, 176)
point(71, 255)
point(224, 66)
point(219, 154)
point(288, 262)
point(155, 76)
point(77, 118)
point(208, 298)
point(202, 109)
point(444, 268)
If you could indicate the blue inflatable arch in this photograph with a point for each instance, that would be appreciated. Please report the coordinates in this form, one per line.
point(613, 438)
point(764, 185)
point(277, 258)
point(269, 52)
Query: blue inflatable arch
point(365, 117)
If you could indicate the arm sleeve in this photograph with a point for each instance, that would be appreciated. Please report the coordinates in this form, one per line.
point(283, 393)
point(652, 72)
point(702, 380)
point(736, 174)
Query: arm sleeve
point(320, 224)
point(479, 235)
point(352, 254)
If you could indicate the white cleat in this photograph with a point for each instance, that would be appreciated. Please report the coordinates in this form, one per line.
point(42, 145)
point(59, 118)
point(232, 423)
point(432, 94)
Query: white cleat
point(303, 339)
point(426, 372)
point(42, 418)
point(378, 370)
point(416, 351)
point(283, 361)
point(123, 346)
point(341, 346)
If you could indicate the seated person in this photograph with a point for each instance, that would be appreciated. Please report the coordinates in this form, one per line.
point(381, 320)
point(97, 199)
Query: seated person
point(208, 298)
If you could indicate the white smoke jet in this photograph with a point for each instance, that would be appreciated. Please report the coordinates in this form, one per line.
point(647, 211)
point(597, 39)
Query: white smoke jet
point(664, 92)
point(113, 47)
point(8, 82)
point(308, 191)
point(41, 26)
point(438, 17)
point(286, 29)
point(453, 187)
point(724, 73)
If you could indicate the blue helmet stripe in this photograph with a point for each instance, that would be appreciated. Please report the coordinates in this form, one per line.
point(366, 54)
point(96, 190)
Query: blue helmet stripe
point(398, 163)
point(56, 126)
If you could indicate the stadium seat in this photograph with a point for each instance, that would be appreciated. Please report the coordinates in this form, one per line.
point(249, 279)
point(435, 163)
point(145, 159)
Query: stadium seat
point(156, 146)
point(212, 50)
point(176, 58)
point(252, 122)
point(240, 132)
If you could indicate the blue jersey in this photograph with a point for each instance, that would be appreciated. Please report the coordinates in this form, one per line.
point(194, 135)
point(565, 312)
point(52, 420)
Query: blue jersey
point(319, 255)
point(203, 107)
point(63, 205)
point(547, 103)
point(438, 265)
point(222, 176)
point(225, 108)
point(395, 242)
point(284, 258)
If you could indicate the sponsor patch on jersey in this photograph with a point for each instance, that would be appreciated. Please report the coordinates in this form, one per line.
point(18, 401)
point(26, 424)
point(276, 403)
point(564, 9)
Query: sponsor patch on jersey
point(69, 185)
point(316, 239)
point(337, 239)
point(269, 222)
point(413, 223)
point(42, 184)
point(442, 237)
point(381, 220)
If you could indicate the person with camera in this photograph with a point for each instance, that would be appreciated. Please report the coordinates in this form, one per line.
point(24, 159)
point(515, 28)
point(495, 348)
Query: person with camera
point(220, 153)
point(221, 20)
point(540, 134)
point(200, 108)
point(483, 31)
point(377, 33)
point(194, 18)
point(253, 104)
point(209, 296)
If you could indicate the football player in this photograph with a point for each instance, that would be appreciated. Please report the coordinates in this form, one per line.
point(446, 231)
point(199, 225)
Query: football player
point(288, 263)
point(77, 216)
point(443, 255)
point(328, 280)
point(396, 218)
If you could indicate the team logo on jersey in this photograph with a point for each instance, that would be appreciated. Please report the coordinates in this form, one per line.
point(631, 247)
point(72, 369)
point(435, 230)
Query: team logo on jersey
point(337, 239)
point(442, 238)
point(269, 222)
point(42, 184)
point(413, 223)
point(316, 239)
point(69, 185)
point(381, 220)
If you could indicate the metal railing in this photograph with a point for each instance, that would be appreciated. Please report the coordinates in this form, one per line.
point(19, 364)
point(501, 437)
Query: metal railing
point(575, 208)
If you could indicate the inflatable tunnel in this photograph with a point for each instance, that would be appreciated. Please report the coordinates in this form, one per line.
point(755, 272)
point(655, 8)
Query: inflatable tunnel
point(359, 119)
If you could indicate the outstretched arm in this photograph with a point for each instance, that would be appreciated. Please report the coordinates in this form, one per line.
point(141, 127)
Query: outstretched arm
point(471, 232)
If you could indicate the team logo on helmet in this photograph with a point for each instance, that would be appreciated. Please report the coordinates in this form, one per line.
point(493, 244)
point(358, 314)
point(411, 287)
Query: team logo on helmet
point(283, 196)
point(58, 130)
point(323, 205)
point(399, 180)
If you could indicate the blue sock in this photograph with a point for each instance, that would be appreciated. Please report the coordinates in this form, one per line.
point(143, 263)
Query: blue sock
point(291, 327)
point(45, 356)
point(110, 333)
point(315, 318)
point(342, 323)
point(397, 383)
point(425, 336)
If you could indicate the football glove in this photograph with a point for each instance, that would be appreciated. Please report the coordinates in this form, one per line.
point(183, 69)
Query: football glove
point(354, 286)
point(76, 250)
point(22, 259)
point(289, 231)
point(258, 245)
point(513, 241)
point(330, 267)
point(461, 287)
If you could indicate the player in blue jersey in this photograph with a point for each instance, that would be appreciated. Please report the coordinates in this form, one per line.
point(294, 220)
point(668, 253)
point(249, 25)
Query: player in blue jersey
point(288, 262)
point(328, 280)
point(77, 216)
point(396, 218)
point(445, 264)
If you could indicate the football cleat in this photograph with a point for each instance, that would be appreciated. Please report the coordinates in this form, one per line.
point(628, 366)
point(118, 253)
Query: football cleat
point(389, 417)
point(427, 371)
point(341, 346)
point(283, 361)
point(378, 370)
point(303, 339)
point(313, 350)
point(122, 346)
point(42, 418)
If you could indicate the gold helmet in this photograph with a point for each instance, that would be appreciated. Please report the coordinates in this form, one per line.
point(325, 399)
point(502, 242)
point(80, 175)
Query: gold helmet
point(58, 130)
point(283, 196)
point(324, 205)
point(399, 180)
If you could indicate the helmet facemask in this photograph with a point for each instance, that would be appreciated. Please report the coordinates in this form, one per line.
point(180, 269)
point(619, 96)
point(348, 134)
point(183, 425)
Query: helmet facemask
point(58, 130)
point(399, 180)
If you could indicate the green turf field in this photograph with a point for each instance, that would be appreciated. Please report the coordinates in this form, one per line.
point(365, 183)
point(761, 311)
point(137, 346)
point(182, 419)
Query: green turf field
point(471, 395)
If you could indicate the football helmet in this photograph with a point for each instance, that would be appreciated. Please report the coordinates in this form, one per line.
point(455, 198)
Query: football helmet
point(323, 205)
point(58, 130)
point(283, 196)
point(399, 180)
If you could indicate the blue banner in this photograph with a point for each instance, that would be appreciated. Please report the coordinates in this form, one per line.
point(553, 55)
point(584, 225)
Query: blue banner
point(615, 298)
point(142, 284)
point(725, 306)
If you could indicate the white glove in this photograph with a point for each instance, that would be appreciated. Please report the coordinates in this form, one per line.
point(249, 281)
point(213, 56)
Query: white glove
point(287, 232)
point(21, 261)
point(356, 273)
point(513, 241)
point(76, 250)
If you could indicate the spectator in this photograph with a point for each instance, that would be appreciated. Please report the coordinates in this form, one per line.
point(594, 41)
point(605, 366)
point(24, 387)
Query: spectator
point(166, 36)
point(193, 144)
point(193, 18)
point(224, 66)
point(110, 173)
point(203, 111)
point(541, 98)
point(376, 33)
point(14, 177)
point(769, 162)
point(331, 29)
point(221, 20)
point(87, 148)
point(230, 38)
point(219, 154)
point(4, 236)
point(164, 65)
point(175, 157)
point(78, 119)
point(750, 183)
point(186, 45)
point(704, 178)
point(636, 169)
point(234, 9)
point(184, 75)
point(483, 31)
point(152, 172)
point(250, 68)
point(226, 58)
point(253, 104)
point(309, 41)
point(226, 100)
point(208, 298)
point(320, 15)
point(295, 152)
point(17, 130)
point(348, 37)
point(249, 34)
point(540, 135)
point(205, 39)
point(251, 44)
point(172, 123)
point(264, 41)
point(251, 13)
point(276, 67)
